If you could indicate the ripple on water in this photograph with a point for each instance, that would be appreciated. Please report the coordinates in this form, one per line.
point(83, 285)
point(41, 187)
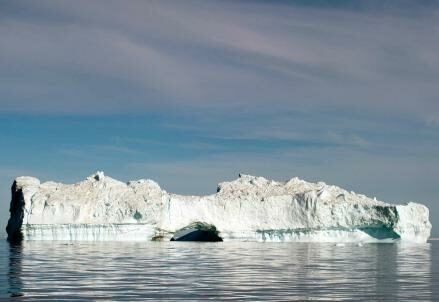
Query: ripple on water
point(226, 271)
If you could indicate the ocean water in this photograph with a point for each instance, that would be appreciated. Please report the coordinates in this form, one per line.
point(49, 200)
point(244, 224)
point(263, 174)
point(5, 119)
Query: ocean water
point(199, 271)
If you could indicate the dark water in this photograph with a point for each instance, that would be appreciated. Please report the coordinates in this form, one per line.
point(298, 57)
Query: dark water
point(218, 271)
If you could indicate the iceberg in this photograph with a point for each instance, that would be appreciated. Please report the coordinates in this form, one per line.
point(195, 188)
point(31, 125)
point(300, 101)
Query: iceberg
point(246, 209)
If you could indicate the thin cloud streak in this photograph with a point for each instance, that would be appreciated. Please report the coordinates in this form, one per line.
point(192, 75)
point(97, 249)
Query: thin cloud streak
point(258, 56)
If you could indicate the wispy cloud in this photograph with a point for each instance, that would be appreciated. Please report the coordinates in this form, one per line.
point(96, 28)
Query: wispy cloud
point(261, 56)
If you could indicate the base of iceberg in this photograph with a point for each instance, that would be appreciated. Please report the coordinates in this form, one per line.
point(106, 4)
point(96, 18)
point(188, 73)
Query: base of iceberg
point(145, 232)
point(247, 209)
point(88, 232)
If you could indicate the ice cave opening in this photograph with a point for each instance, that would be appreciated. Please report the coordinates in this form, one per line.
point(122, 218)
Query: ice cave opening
point(197, 232)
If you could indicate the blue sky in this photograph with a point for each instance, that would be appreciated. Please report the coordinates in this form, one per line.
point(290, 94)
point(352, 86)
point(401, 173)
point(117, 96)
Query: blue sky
point(192, 93)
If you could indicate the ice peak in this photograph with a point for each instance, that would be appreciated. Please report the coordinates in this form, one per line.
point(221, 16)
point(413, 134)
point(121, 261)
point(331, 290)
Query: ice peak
point(243, 182)
point(246, 178)
point(98, 176)
point(147, 184)
point(23, 181)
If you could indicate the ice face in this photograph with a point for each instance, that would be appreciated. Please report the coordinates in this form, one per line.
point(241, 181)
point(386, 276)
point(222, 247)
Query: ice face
point(88, 232)
point(248, 208)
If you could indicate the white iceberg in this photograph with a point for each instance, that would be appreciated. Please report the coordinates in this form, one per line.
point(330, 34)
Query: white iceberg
point(247, 209)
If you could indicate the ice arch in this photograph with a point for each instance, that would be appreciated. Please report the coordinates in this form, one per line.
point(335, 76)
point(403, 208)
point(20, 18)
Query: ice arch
point(197, 231)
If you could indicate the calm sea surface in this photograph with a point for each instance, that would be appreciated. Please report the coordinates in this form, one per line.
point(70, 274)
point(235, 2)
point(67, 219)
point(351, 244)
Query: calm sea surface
point(82, 271)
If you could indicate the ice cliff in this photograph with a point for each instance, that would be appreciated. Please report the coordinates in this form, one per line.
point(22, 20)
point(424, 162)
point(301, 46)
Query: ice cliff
point(248, 209)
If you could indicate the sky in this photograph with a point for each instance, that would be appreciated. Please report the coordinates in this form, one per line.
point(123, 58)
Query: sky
point(192, 93)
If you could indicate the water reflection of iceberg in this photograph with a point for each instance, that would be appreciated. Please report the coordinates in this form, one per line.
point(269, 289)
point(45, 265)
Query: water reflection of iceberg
point(15, 266)
point(221, 271)
point(414, 271)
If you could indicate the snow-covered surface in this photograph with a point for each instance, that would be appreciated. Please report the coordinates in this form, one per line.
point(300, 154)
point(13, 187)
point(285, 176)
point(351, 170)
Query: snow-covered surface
point(248, 208)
